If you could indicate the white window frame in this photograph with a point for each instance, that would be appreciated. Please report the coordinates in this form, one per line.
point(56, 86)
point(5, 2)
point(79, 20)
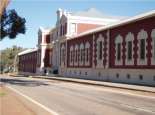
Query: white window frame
point(100, 61)
point(87, 46)
point(75, 28)
point(118, 40)
point(129, 37)
point(153, 47)
point(142, 35)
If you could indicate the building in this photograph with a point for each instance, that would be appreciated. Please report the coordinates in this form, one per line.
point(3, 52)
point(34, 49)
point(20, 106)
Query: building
point(100, 48)
point(27, 62)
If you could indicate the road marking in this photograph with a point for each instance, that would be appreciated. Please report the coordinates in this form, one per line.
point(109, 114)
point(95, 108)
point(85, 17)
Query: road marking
point(33, 101)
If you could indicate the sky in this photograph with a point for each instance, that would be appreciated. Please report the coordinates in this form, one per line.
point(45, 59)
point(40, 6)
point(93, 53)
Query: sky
point(43, 13)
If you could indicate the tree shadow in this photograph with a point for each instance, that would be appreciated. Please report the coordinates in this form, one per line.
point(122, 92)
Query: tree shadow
point(29, 83)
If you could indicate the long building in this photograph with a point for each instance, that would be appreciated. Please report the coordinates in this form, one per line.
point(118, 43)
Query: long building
point(108, 50)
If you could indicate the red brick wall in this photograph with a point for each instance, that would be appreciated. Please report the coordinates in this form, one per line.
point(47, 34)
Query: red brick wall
point(84, 27)
point(28, 62)
point(78, 41)
point(134, 27)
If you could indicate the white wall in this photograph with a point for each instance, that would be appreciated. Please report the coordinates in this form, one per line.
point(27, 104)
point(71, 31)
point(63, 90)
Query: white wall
point(110, 75)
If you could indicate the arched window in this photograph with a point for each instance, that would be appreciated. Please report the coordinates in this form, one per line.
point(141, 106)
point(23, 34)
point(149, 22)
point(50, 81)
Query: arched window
point(76, 55)
point(81, 54)
point(100, 51)
point(87, 53)
point(153, 46)
point(71, 55)
point(142, 36)
point(118, 49)
point(129, 48)
point(100, 42)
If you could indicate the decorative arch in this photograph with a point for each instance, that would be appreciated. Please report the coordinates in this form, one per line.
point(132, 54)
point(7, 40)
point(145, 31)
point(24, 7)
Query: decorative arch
point(71, 55)
point(118, 50)
point(129, 48)
point(76, 54)
point(153, 46)
point(87, 53)
point(142, 44)
point(81, 54)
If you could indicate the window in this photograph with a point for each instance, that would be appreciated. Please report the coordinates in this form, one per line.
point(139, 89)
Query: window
point(128, 76)
point(76, 55)
point(129, 50)
point(87, 46)
point(142, 44)
point(117, 75)
point(142, 49)
point(71, 55)
point(118, 52)
point(87, 54)
point(47, 39)
point(82, 54)
point(73, 28)
point(140, 77)
point(154, 48)
point(153, 78)
point(100, 50)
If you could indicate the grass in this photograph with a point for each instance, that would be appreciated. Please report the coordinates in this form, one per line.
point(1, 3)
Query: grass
point(2, 94)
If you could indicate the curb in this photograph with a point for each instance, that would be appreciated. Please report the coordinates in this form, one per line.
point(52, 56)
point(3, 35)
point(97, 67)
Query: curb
point(97, 84)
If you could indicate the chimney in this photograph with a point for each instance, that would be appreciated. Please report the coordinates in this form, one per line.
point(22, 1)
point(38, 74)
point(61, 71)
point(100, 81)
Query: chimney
point(59, 14)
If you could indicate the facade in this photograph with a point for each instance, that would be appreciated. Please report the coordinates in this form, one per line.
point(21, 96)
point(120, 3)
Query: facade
point(44, 53)
point(105, 49)
point(27, 61)
point(120, 52)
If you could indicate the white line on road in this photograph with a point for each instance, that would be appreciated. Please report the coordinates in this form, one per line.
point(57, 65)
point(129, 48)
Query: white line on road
point(33, 101)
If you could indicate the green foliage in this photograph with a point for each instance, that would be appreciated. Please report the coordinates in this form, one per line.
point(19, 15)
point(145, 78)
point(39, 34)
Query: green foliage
point(7, 60)
point(11, 24)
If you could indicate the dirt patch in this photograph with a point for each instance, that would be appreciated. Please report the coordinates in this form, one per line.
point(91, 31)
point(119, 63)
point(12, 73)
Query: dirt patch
point(11, 105)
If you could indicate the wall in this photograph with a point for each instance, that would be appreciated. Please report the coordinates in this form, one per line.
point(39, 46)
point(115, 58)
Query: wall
point(107, 69)
point(28, 62)
point(82, 27)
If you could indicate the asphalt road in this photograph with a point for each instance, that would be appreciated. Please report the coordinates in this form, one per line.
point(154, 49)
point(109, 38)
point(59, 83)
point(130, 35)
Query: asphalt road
point(67, 98)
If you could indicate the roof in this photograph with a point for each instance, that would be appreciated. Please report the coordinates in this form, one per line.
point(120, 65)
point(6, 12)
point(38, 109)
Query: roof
point(119, 23)
point(94, 13)
point(27, 51)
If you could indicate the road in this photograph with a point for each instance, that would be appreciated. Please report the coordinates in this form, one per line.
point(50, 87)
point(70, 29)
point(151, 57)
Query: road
point(66, 98)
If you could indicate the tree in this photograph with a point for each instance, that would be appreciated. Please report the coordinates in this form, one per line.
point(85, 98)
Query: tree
point(11, 24)
point(7, 56)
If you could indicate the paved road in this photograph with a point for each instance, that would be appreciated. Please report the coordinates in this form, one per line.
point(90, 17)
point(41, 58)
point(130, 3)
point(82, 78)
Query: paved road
point(77, 99)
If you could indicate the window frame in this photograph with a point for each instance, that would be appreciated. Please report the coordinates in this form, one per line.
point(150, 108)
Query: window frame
point(142, 34)
point(118, 40)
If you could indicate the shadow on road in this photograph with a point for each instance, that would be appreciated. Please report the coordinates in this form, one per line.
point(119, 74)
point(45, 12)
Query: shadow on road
point(30, 83)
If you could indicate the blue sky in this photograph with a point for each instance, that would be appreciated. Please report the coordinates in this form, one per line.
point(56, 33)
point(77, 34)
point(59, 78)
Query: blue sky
point(43, 13)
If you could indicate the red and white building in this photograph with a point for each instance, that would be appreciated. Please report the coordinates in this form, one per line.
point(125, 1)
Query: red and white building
point(44, 59)
point(103, 48)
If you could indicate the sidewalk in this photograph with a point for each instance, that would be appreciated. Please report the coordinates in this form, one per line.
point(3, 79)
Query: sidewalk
point(11, 105)
point(102, 83)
